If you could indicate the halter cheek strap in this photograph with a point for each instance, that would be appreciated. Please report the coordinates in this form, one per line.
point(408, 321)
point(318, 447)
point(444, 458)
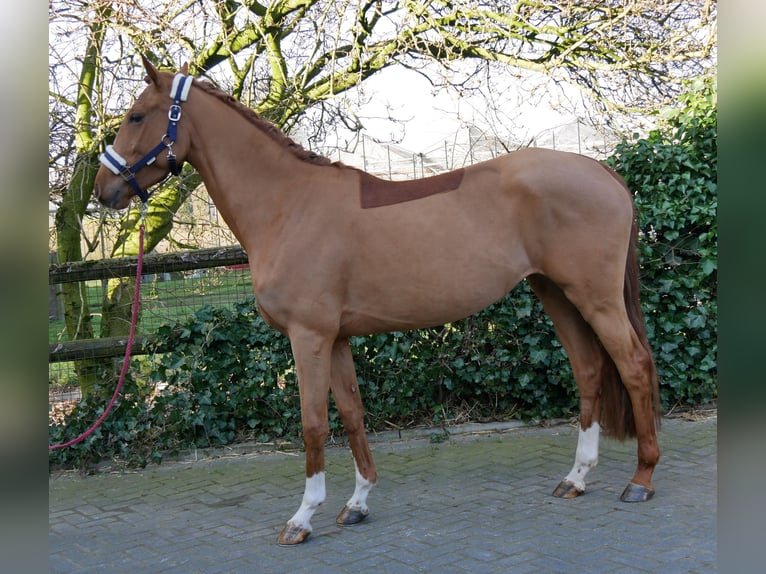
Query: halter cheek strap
point(114, 162)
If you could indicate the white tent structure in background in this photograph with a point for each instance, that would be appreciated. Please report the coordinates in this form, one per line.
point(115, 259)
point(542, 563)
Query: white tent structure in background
point(468, 146)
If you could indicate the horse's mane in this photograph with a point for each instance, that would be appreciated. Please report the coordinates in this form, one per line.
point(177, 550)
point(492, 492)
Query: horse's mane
point(266, 126)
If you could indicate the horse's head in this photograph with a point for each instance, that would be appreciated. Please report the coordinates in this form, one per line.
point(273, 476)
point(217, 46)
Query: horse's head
point(151, 142)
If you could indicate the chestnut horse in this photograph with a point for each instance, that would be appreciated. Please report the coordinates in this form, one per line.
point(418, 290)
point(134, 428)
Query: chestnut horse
point(336, 252)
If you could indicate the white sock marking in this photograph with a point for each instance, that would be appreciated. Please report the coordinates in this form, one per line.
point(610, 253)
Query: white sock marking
point(313, 497)
point(363, 488)
point(586, 456)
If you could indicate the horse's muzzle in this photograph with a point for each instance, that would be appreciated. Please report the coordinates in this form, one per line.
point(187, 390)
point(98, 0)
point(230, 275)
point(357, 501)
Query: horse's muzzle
point(111, 198)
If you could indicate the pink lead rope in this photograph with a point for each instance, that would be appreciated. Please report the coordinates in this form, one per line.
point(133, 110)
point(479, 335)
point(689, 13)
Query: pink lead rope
point(128, 348)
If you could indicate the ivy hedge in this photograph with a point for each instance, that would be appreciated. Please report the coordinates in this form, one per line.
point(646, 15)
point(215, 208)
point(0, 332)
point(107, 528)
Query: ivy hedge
point(231, 378)
point(673, 173)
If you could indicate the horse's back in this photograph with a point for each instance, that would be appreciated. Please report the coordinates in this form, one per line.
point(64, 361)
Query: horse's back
point(501, 205)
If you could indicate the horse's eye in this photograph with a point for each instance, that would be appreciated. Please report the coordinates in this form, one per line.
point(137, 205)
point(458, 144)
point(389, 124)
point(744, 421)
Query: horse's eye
point(136, 118)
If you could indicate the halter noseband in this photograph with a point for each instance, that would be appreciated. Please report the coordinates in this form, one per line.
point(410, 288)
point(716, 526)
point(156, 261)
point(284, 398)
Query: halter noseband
point(179, 92)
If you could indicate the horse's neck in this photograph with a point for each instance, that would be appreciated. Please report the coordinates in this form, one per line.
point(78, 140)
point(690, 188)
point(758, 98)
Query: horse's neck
point(228, 150)
point(246, 172)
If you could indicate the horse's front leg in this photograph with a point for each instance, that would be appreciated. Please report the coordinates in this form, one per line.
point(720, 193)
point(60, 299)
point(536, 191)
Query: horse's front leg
point(345, 390)
point(312, 354)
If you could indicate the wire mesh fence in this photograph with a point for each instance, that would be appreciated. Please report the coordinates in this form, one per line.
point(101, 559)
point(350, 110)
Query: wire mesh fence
point(166, 298)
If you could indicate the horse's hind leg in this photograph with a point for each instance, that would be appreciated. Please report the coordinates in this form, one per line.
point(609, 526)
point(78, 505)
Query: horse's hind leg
point(345, 390)
point(636, 367)
point(588, 362)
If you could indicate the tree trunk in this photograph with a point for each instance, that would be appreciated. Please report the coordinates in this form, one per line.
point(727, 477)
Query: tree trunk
point(77, 316)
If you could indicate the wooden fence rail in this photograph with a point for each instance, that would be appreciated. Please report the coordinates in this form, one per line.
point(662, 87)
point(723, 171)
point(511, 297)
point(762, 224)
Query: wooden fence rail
point(97, 348)
point(75, 271)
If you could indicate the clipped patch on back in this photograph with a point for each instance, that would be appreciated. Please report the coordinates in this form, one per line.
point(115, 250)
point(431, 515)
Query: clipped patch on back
point(376, 192)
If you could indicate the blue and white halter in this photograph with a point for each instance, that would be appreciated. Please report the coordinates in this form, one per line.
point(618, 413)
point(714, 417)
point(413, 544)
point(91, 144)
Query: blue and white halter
point(179, 92)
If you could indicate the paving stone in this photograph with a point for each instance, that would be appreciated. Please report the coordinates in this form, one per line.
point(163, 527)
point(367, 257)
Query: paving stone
point(474, 503)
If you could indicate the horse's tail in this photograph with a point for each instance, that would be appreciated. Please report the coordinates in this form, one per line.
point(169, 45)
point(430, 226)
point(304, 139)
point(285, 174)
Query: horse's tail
point(617, 415)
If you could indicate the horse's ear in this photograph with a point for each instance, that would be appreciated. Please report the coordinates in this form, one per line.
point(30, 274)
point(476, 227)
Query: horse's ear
point(151, 71)
point(185, 69)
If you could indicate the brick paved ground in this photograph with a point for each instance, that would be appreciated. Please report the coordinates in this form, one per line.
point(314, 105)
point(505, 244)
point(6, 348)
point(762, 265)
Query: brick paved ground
point(475, 503)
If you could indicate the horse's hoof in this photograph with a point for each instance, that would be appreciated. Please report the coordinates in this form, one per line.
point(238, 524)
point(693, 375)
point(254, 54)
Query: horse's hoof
point(292, 534)
point(349, 516)
point(567, 489)
point(636, 493)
